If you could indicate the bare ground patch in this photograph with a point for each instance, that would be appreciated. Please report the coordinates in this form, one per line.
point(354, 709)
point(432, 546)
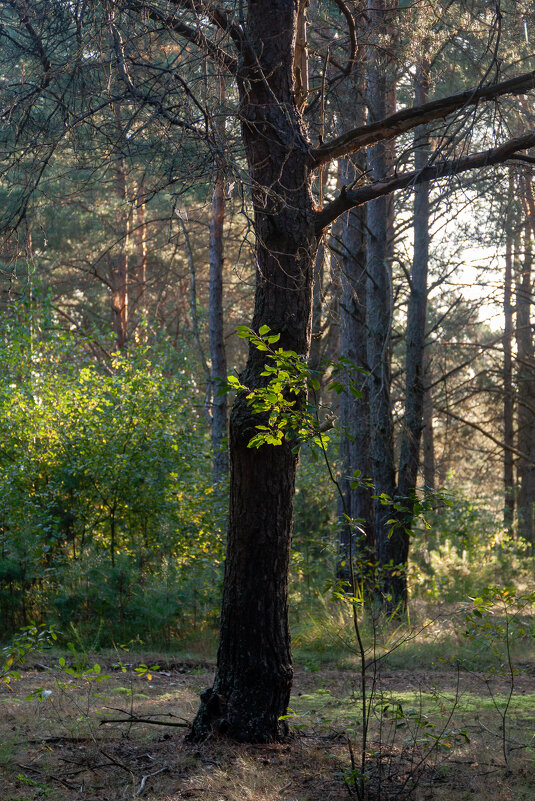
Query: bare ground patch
point(57, 748)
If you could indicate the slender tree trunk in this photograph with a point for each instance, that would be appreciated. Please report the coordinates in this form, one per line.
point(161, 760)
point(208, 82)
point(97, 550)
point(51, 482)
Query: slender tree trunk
point(526, 388)
point(314, 360)
point(416, 322)
point(216, 329)
point(356, 539)
point(194, 312)
point(428, 437)
point(508, 427)
point(301, 55)
point(317, 343)
point(390, 544)
point(253, 678)
point(141, 237)
point(118, 272)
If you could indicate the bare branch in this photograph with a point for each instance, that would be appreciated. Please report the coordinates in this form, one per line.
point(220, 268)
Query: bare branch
point(193, 35)
point(409, 118)
point(349, 198)
point(25, 20)
point(145, 99)
point(352, 37)
point(485, 432)
point(217, 15)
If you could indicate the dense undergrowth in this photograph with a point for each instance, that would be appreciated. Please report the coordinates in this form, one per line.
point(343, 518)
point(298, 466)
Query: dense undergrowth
point(110, 526)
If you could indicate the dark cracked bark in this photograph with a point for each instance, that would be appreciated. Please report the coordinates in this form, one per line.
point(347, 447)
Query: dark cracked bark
point(253, 677)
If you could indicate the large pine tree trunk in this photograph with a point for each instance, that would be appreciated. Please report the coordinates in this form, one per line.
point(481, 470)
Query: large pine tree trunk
point(253, 678)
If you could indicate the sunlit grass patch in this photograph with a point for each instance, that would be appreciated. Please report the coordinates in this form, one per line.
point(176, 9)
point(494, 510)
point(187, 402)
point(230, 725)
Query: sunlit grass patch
point(435, 636)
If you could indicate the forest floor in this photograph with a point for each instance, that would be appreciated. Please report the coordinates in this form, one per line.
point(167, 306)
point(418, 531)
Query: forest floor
point(434, 734)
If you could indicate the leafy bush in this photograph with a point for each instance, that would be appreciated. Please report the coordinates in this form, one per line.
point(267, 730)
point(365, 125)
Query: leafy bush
point(106, 512)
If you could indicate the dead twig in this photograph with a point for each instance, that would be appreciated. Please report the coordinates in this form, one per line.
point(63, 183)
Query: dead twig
point(149, 776)
point(134, 719)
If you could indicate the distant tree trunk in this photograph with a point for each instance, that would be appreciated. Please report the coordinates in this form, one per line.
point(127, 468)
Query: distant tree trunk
point(301, 55)
point(253, 678)
point(355, 539)
point(391, 546)
point(416, 321)
point(317, 342)
point(314, 360)
point(218, 357)
point(428, 437)
point(508, 425)
point(526, 385)
point(217, 337)
point(118, 270)
point(194, 313)
point(141, 237)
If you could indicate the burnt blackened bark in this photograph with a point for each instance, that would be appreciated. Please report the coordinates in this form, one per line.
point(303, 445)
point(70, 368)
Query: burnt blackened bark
point(416, 321)
point(253, 678)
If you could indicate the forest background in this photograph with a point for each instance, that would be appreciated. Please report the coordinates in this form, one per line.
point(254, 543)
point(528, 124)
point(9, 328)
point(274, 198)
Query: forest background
point(120, 311)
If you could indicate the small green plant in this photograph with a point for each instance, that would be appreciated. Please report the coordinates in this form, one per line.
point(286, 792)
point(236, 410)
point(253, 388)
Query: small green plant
point(497, 618)
point(30, 639)
point(144, 672)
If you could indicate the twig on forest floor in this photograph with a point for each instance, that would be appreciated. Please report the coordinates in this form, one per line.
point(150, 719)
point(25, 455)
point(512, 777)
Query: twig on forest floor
point(185, 724)
point(133, 719)
point(116, 762)
point(149, 776)
point(47, 776)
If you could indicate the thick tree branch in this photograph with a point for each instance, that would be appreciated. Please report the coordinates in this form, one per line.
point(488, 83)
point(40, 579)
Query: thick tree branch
point(409, 118)
point(349, 198)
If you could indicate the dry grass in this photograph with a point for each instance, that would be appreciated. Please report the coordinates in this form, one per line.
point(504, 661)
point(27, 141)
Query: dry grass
point(56, 748)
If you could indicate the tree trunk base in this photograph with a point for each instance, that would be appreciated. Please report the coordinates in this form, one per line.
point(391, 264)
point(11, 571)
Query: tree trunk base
point(218, 717)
